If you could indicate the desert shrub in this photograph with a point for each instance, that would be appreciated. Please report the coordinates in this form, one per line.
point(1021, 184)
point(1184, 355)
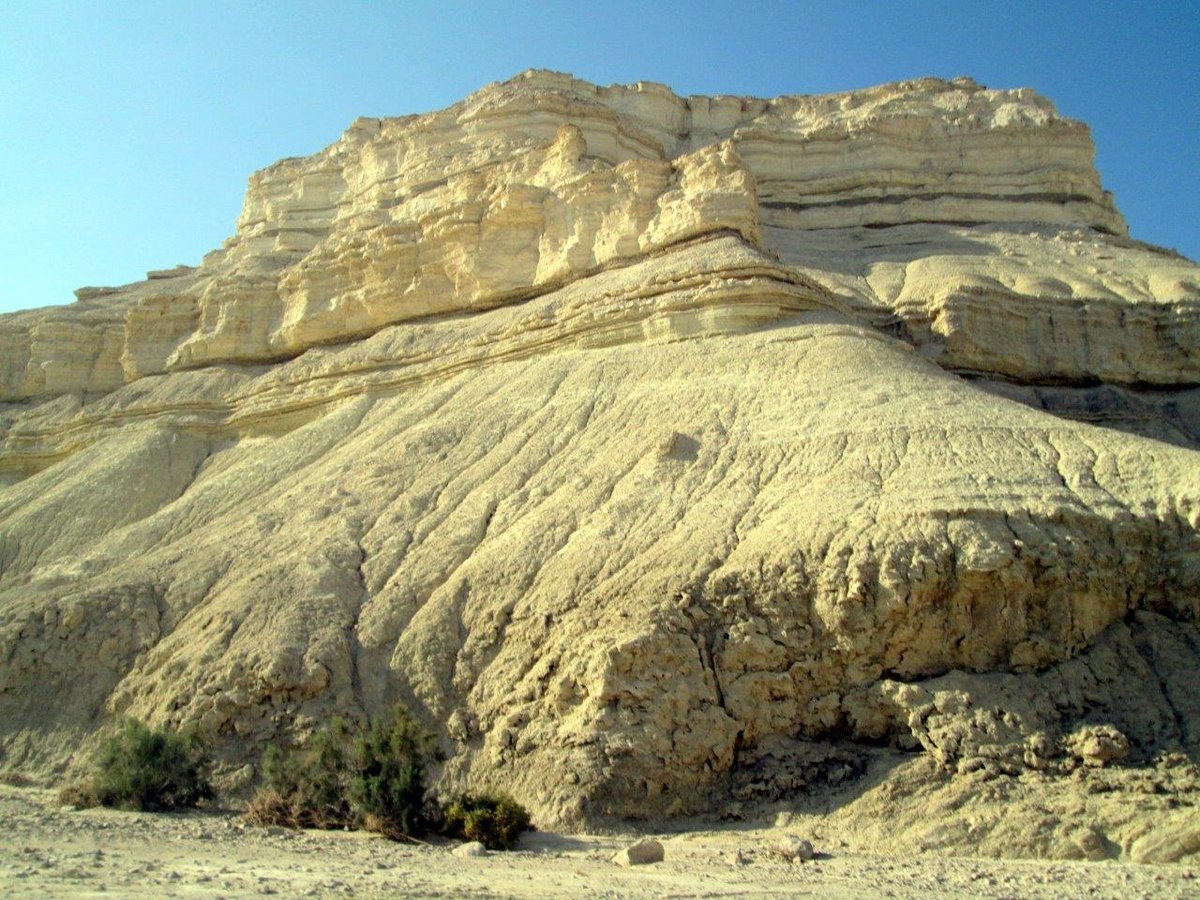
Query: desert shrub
point(269, 807)
point(376, 779)
point(307, 787)
point(495, 820)
point(387, 783)
point(144, 768)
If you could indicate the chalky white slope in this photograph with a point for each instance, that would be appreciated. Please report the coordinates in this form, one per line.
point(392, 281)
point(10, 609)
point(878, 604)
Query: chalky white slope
point(636, 442)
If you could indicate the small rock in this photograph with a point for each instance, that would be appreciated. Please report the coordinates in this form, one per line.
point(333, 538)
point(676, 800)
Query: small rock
point(793, 849)
point(1098, 745)
point(739, 858)
point(647, 850)
point(1095, 845)
point(472, 848)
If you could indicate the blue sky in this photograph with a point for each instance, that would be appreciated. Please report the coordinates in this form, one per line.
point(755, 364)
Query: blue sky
point(129, 128)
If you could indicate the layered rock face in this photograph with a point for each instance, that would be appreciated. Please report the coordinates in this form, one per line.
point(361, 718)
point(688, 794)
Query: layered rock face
point(625, 436)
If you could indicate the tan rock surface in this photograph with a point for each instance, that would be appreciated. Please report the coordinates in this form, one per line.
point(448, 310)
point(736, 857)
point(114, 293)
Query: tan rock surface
point(541, 180)
point(626, 437)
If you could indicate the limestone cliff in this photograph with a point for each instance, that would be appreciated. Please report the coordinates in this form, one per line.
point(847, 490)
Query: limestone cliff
point(624, 436)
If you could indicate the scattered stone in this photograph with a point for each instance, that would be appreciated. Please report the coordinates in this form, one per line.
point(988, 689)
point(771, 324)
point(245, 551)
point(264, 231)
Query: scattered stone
point(1096, 846)
point(1098, 745)
point(640, 853)
point(793, 849)
point(471, 848)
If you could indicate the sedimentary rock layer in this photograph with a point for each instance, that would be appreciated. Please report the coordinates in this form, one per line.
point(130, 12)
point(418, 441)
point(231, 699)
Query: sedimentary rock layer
point(532, 183)
point(627, 438)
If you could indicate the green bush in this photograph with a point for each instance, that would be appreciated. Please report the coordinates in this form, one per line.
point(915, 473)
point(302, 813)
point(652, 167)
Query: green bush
point(144, 768)
point(495, 820)
point(376, 779)
point(306, 788)
point(387, 783)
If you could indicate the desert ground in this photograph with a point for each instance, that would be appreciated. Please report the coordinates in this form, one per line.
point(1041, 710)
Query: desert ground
point(50, 850)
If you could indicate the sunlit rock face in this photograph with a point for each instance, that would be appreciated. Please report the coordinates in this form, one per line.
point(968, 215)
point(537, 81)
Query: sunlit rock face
point(624, 436)
point(528, 185)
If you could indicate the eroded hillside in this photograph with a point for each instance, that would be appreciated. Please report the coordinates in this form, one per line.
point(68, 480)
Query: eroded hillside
point(644, 445)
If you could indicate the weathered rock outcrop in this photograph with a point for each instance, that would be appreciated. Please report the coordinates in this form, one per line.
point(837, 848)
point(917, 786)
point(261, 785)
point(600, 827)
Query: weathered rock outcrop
point(623, 436)
point(542, 180)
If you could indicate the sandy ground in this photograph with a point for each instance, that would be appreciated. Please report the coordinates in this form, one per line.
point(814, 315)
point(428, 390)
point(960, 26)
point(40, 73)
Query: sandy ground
point(47, 850)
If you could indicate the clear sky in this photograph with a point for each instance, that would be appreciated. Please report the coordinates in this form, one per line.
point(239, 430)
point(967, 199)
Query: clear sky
point(129, 127)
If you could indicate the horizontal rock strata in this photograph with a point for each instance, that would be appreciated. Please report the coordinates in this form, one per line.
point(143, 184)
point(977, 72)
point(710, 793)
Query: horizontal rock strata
point(631, 440)
point(535, 182)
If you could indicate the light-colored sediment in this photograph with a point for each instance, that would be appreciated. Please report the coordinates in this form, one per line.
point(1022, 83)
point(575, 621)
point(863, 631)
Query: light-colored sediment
point(638, 443)
point(50, 851)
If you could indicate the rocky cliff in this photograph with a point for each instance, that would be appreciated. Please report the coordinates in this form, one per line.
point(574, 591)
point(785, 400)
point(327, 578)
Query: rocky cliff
point(641, 443)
